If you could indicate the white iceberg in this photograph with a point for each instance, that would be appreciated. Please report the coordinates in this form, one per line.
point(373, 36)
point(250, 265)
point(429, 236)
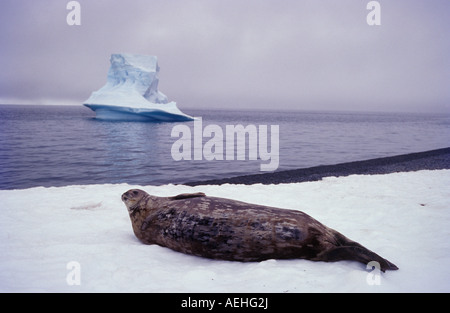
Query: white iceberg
point(131, 92)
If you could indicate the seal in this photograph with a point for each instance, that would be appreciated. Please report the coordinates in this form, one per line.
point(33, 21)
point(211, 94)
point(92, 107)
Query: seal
point(227, 229)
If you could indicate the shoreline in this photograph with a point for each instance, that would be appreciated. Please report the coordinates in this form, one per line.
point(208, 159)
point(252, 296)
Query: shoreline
point(438, 159)
point(428, 160)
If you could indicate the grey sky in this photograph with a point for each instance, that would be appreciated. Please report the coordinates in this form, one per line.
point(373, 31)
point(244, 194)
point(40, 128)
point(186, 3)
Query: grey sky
point(288, 54)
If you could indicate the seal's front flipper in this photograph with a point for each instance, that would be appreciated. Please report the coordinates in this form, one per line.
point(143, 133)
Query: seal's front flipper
point(188, 195)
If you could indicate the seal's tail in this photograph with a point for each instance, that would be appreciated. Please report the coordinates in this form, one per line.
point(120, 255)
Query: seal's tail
point(347, 249)
point(360, 254)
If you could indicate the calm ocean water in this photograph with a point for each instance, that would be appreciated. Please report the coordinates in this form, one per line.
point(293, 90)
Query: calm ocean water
point(65, 145)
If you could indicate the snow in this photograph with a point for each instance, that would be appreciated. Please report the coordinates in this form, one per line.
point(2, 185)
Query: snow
point(131, 92)
point(403, 217)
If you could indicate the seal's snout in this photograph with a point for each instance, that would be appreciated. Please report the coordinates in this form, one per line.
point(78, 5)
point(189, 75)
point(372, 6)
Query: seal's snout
point(132, 198)
point(125, 196)
point(130, 195)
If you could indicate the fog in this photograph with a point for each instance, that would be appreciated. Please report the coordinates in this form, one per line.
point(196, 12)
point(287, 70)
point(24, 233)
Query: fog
point(284, 55)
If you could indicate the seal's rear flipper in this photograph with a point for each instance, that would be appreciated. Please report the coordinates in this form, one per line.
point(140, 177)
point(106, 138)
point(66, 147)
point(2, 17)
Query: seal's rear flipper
point(188, 195)
point(360, 254)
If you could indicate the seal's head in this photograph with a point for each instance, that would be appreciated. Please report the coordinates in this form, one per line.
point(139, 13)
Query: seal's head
point(132, 199)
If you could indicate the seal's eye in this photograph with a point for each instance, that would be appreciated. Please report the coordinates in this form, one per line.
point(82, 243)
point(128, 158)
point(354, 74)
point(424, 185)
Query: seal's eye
point(135, 192)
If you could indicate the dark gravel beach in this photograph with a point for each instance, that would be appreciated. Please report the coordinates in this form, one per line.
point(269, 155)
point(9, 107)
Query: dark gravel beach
point(428, 160)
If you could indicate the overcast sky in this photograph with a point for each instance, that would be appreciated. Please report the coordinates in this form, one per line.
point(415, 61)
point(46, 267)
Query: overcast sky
point(284, 54)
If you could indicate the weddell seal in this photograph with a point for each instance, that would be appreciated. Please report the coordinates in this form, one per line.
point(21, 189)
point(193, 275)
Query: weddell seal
point(226, 229)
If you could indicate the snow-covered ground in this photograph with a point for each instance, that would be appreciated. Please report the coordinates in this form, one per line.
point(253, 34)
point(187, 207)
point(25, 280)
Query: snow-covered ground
point(404, 217)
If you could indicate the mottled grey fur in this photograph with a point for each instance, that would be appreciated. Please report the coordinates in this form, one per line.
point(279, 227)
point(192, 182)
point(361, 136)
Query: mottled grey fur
point(227, 229)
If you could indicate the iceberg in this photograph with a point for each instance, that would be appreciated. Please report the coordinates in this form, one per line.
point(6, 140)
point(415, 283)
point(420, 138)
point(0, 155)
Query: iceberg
point(131, 92)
